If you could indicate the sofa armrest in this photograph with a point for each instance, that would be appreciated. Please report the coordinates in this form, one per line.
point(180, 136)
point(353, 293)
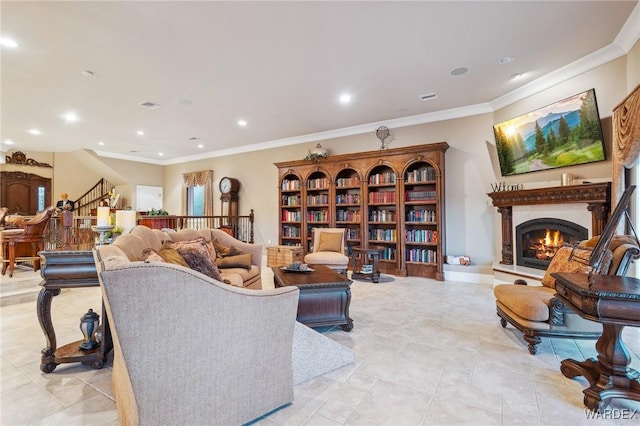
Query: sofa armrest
point(228, 240)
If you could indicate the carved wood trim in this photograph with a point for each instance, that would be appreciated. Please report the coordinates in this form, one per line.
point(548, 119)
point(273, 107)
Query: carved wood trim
point(597, 196)
point(20, 158)
point(587, 193)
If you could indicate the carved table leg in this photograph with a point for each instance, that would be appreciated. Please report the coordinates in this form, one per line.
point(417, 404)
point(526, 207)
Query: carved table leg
point(609, 376)
point(47, 361)
point(532, 341)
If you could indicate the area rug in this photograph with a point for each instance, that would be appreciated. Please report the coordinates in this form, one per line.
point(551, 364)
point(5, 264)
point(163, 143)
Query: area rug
point(315, 354)
point(383, 279)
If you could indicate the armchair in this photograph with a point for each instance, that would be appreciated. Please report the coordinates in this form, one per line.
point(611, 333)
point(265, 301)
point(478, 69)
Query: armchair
point(536, 312)
point(329, 249)
point(24, 243)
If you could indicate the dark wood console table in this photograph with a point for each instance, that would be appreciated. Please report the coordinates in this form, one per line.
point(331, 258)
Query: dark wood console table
point(614, 302)
point(68, 269)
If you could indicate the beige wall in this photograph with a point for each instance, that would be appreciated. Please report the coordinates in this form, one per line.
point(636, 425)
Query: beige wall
point(633, 67)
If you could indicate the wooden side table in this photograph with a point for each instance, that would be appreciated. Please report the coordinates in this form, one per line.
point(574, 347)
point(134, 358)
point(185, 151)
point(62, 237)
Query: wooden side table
point(613, 301)
point(68, 269)
point(367, 256)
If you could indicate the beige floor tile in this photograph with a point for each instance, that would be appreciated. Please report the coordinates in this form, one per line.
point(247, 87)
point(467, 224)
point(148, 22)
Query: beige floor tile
point(390, 404)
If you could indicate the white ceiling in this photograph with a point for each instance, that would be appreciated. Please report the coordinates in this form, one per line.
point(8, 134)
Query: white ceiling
point(281, 66)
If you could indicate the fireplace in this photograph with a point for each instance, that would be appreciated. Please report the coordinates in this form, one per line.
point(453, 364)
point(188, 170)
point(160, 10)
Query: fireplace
point(538, 240)
point(551, 202)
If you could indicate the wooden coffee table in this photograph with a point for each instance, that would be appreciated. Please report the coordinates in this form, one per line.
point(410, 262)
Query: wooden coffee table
point(324, 298)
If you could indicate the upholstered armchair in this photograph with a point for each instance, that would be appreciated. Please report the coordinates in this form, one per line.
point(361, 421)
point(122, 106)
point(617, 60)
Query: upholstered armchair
point(329, 249)
point(537, 313)
point(24, 242)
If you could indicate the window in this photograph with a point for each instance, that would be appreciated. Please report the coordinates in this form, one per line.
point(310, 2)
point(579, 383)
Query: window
point(41, 198)
point(195, 200)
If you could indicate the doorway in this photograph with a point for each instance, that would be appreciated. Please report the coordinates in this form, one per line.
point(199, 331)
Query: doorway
point(24, 193)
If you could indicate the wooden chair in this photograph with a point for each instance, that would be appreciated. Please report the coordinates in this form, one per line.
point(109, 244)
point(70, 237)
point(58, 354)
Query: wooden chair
point(24, 243)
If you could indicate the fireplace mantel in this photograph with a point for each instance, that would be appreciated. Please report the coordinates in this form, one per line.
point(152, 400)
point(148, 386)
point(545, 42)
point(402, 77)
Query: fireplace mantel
point(597, 196)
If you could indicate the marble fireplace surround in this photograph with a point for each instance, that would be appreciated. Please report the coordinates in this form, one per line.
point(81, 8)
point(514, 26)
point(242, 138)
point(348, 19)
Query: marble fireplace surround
point(588, 205)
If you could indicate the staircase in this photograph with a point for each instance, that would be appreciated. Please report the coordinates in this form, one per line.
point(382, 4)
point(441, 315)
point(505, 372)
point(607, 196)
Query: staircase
point(91, 199)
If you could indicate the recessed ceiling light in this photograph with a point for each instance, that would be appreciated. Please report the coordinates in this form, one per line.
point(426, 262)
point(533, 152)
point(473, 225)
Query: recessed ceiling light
point(345, 98)
point(200, 146)
point(506, 59)
point(8, 142)
point(140, 133)
point(516, 76)
point(459, 71)
point(70, 117)
point(34, 131)
point(7, 42)
point(242, 123)
point(101, 143)
point(161, 154)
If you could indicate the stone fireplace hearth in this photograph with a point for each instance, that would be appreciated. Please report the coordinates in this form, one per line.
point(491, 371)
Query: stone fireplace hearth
point(586, 206)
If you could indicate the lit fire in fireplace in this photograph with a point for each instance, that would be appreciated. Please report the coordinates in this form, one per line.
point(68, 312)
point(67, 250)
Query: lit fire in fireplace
point(547, 247)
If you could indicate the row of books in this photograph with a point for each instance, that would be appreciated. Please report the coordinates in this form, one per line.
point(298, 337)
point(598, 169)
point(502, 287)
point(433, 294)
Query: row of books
point(348, 199)
point(389, 253)
point(348, 216)
point(290, 200)
point(382, 215)
point(318, 183)
point(291, 215)
point(420, 195)
point(291, 231)
point(382, 234)
point(318, 216)
point(421, 216)
point(314, 200)
point(382, 197)
point(421, 255)
point(424, 174)
point(382, 178)
point(421, 236)
point(290, 185)
point(352, 181)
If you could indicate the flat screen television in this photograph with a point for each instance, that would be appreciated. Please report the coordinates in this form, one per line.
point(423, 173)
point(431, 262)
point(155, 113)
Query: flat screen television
point(565, 133)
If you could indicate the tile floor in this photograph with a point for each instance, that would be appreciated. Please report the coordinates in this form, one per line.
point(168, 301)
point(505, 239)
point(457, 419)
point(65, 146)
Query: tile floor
point(427, 353)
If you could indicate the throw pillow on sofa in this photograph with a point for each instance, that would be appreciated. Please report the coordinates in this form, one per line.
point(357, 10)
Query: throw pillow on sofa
point(171, 255)
point(150, 255)
point(237, 261)
point(198, 257)
point(225, 251)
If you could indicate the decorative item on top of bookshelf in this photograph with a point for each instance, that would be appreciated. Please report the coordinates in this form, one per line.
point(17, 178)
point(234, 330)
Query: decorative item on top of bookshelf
point(317, 153)
point(383, 133)
point(565, 133)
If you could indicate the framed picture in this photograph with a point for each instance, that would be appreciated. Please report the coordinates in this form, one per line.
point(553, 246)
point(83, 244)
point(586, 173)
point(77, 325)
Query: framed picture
point(565, 133)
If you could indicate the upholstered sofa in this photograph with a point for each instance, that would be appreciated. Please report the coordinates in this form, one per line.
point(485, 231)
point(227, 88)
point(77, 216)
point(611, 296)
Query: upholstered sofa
point(189, 349)
point(243, 273)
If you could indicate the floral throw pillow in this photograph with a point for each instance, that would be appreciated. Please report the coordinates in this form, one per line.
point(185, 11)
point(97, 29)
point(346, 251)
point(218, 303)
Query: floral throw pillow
point(573, 260)
point(198, 256)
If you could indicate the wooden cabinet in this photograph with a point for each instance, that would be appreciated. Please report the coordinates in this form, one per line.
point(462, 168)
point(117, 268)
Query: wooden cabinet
point(392, 199)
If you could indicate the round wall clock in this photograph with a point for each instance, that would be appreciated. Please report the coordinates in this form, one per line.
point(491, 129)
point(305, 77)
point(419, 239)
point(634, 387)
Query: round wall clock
point(229, 185)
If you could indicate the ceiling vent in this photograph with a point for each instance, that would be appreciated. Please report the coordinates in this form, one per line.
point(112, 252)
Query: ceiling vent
point(194, 138)
point(149, 104)
point(428, 97)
